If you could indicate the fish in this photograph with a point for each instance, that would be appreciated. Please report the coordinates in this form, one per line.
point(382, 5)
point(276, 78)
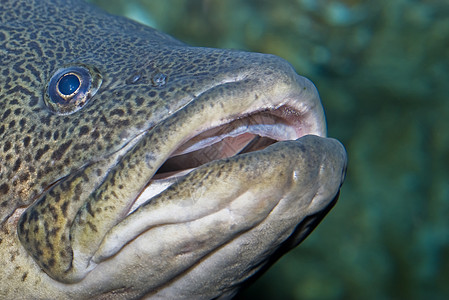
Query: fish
point(136, 166)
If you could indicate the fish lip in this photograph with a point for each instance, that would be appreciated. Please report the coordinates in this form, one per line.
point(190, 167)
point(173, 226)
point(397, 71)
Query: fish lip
point(312, 112)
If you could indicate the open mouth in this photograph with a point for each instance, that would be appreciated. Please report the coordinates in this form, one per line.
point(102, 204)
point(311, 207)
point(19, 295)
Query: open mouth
point(243, 134)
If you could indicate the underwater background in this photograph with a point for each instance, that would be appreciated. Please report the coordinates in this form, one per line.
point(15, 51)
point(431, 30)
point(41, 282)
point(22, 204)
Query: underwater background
point(382, 70)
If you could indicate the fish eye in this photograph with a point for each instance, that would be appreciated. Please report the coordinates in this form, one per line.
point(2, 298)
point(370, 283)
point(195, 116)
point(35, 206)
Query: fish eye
point(70, 88)
point(68, 84)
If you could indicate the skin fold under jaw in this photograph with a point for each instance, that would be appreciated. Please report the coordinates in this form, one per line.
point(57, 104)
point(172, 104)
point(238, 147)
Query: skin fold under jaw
point(136, 166)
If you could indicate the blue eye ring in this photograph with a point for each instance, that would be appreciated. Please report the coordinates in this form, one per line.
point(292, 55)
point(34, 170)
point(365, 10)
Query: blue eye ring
point(70, 88)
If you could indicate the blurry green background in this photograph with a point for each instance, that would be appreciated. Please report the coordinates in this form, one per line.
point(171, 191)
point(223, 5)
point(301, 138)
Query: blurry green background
point(382, 69)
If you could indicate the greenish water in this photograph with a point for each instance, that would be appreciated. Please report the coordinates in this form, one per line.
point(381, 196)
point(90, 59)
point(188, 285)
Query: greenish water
point(382, 69)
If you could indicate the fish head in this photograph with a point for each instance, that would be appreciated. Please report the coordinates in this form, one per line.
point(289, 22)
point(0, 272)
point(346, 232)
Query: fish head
point(135, 165)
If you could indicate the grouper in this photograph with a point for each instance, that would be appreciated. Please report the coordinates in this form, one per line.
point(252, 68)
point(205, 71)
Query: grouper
point(135, 166)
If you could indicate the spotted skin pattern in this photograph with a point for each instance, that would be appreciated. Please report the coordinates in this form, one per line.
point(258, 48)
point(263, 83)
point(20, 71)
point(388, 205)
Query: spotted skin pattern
point(66, 179)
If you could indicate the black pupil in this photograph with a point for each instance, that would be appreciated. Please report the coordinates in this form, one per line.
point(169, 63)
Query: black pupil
point(68, 84)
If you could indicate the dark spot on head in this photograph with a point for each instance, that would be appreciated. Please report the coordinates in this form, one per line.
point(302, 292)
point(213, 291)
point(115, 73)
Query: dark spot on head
point(82, 146)
point(24, 276)
point(83, 130)
point(41, 152)
point(24, 177)
point(92, 227)
point(26, 141)
point(77, 192)
point(4, 189)
point(59, 153)
point(7, 146)
point(117, 112)
point(139, 101)
point(17, 112)
point(54, 231)
point(48, 135)
point(95, 134)
point(151, 103)
point(17, 165)
point(123, 123)
point(6, 114)
point(64, 207)
point(31, 168)
point(51, 262)
point(34, 214)
point(89, 209)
